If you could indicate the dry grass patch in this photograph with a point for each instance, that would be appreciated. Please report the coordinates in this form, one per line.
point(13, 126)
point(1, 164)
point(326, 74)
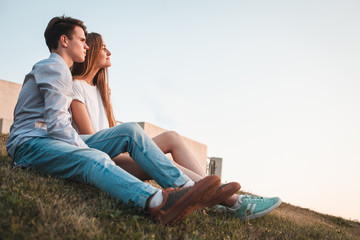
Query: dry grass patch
point(34, 205)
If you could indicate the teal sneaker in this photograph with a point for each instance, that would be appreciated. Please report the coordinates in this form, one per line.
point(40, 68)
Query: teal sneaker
point(253, 207)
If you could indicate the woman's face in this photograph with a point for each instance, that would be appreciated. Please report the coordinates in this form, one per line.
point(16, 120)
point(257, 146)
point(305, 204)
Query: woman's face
point(104, 60)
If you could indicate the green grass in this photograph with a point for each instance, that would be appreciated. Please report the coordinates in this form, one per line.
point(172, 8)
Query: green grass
point(34, 205)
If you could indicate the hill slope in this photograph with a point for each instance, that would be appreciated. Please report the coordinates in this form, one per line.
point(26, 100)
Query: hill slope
point(37, 206)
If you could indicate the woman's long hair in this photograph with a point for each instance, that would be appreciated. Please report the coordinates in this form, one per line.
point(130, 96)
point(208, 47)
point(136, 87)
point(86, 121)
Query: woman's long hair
point(82, 70)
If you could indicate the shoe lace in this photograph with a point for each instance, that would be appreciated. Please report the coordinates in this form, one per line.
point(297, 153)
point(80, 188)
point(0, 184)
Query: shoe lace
point(252, 198)
point(174, 196)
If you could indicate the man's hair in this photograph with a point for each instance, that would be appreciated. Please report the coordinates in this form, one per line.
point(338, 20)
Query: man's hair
point(59, 26)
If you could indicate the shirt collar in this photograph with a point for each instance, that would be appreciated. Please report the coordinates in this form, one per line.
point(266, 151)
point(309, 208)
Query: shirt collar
point(57, 57)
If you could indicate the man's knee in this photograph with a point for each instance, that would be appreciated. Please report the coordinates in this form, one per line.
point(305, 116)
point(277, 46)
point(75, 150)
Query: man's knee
point(132, 125)
point(132, 128)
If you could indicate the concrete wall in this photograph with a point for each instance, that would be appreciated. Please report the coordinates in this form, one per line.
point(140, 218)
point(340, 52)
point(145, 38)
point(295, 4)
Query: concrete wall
point(9, 93)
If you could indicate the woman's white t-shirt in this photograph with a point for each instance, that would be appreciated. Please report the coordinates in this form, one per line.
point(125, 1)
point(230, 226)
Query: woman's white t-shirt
point(90, 96)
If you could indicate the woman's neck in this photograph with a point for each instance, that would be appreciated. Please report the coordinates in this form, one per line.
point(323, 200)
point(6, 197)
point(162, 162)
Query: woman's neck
point(90, 77)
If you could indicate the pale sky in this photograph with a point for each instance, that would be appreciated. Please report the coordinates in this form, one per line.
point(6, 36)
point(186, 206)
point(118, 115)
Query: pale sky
point(272, 87)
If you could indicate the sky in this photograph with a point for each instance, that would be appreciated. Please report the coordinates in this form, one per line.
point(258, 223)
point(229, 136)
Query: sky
point(272, 87)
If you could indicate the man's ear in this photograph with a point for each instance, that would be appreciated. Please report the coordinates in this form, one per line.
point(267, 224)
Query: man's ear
point(64, 41)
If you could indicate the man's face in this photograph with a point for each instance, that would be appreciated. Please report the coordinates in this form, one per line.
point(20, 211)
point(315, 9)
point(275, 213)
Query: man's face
point(77, 46)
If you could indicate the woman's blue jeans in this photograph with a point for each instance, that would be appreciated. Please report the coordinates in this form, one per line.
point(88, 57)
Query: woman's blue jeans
point(94, 166)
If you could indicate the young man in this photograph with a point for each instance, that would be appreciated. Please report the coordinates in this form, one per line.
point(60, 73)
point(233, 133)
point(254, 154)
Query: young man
point(42, 137)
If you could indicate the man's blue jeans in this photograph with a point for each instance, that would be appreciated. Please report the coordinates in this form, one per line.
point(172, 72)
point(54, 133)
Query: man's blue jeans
point(94, 165)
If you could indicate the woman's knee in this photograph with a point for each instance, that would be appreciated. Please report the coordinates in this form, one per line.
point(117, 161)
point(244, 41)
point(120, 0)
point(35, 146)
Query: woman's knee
point(173, 138)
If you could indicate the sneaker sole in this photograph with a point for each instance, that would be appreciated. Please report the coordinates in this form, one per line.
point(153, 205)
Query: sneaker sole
point(263, 213)
point(192, 200)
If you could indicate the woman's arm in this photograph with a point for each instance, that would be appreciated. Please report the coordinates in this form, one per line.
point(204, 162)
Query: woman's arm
point(81, 117)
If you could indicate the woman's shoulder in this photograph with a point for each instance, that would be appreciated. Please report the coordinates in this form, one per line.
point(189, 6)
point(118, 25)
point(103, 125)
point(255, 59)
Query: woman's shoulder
point(81, 87)
point(78, 84)
point(78, 87)
point(83, 84)
point(78, 81)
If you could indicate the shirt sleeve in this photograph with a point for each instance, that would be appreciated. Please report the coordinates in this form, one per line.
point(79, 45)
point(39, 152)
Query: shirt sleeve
point(55, 85)
point(78, 91)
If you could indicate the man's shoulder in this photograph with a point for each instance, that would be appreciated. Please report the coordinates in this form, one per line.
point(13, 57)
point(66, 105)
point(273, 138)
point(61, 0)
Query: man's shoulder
point(51, 69)
point(53, 62)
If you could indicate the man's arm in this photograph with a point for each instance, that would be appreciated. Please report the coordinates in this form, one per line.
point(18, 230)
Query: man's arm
point(55, 85)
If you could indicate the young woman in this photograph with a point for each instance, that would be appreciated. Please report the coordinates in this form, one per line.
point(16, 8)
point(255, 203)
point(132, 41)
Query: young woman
point(92, 111)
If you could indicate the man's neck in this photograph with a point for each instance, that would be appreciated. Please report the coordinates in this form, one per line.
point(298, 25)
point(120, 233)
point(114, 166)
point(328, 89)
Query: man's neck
point(69, 62)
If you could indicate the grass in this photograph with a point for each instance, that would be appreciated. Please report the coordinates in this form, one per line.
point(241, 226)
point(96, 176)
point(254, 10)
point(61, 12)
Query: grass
point(34, 205)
